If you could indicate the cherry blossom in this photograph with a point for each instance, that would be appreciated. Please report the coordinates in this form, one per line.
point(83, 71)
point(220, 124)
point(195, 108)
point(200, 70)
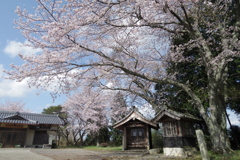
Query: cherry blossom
point(127, 43)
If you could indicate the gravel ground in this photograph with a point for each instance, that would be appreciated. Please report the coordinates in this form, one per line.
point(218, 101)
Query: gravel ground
point(75, 154)
point(68, 154)
point(20, 154)
point(83, 154)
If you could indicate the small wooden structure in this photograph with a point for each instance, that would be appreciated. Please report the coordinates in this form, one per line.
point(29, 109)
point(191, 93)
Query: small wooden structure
point(136, 131)
point(178, 131)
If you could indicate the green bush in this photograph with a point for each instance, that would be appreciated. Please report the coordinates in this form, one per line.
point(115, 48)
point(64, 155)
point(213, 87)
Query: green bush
point(157, 139)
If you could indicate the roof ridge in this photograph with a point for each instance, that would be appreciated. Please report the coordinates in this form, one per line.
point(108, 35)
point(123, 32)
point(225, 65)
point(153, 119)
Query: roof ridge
point(176, 113)
point(135, 111)
point(28, 113)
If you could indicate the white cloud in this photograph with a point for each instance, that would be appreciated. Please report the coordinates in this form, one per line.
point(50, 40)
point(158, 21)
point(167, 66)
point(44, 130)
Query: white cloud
point(10, 88)
point(13, 48)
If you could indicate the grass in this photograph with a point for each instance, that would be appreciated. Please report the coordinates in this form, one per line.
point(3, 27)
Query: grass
point(230, 156)
point(103, 148)
point(96, 148)
point(70, 147)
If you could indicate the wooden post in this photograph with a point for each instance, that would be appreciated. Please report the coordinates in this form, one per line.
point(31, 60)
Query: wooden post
point(26, 137)
point(148, 139)
point(202, 145)
point(124, 139)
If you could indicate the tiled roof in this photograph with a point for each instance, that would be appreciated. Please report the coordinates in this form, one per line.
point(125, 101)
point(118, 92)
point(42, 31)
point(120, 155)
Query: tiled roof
point(29, 118)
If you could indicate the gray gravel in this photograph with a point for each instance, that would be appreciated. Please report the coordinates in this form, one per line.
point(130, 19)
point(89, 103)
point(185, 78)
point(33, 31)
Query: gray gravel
point(74, 154)
point(68, 154)
point(20, 154)
point(84, 154)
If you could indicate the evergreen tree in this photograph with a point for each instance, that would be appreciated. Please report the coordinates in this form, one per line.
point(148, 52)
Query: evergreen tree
point(63, 131)
point(104, 135)
point(53, 110)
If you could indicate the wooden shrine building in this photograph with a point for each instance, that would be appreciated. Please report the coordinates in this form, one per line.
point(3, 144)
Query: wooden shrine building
point(136, 131)
point(178, 131)
point(18, 129)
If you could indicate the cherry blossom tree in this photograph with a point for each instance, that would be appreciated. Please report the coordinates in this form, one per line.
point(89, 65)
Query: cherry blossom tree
point(92, 110)
point(17, 106)
point(126, 45)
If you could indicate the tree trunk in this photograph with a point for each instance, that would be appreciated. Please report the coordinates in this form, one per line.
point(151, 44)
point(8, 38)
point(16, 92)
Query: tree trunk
point(219, 138)
point(216, 121)
point(59, 139)
point(215, 116)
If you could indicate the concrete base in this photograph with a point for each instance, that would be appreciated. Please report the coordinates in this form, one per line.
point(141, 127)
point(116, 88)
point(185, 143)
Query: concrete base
point(154, 151)
point(177, 152)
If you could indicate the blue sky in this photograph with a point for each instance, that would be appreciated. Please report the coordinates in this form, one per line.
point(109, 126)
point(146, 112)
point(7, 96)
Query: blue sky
point(10, 45)
point(10, 41)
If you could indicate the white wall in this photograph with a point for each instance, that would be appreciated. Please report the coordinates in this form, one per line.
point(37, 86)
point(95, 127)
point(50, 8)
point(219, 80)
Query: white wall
point(30, 136)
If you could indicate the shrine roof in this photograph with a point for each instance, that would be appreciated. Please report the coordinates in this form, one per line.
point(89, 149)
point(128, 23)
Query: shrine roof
point(173, 114)
point(134, 115)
